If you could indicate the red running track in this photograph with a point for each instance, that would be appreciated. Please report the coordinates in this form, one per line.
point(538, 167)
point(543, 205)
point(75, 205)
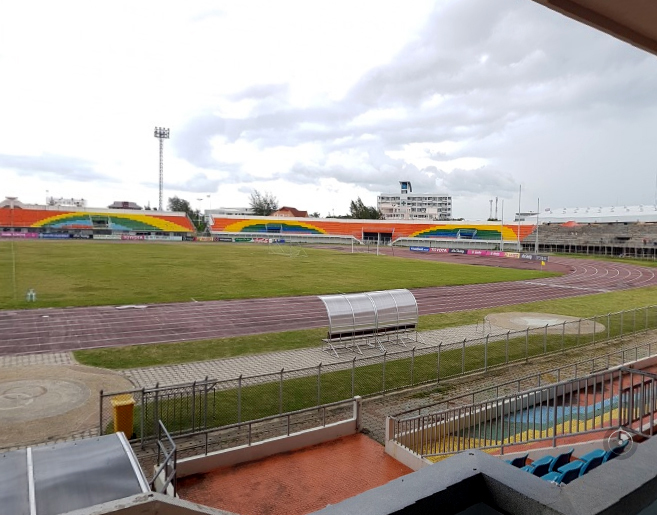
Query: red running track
point(55, 330)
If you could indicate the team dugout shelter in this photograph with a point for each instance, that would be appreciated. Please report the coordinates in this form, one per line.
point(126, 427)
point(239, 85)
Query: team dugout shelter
point(371, 319)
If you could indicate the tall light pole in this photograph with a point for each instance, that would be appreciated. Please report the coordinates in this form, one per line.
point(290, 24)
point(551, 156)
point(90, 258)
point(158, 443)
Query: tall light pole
point(161, 133)
point(538, 209)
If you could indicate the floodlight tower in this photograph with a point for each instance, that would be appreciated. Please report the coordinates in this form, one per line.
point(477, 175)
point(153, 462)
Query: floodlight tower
point(161, 133)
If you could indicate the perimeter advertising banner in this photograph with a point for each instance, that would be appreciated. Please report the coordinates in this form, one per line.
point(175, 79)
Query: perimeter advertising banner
point(54, 236)
point(485, 253)
point(30, 235)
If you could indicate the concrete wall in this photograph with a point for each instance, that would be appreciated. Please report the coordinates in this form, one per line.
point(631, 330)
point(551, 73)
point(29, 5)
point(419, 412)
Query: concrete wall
point(149, 504)
point(245, 453)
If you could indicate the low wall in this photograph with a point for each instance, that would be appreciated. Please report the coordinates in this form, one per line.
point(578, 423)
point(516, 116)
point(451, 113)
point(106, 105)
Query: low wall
point(266, 448)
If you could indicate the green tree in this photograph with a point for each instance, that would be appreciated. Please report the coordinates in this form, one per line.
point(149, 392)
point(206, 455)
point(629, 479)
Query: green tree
point(315, 215)
point(182, 205)
point(357, 209)
point(263, 204)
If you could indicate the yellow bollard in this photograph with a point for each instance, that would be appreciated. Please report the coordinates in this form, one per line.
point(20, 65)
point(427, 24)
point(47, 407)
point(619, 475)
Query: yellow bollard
point(124, 407)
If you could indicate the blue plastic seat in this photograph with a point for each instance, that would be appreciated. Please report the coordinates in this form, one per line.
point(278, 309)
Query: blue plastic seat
point(519, 462)
point(546, 464)
point(591, 464)
point(527, 468)
point(592, 455)
point(616, 451)
point(565, 474)
point(561, 460)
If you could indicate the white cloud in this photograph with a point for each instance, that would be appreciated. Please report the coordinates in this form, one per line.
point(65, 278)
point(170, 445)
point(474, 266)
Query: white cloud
point(320, 102)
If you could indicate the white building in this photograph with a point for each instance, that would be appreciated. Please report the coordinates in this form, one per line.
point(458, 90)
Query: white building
point(233, 211)
point(407, 205)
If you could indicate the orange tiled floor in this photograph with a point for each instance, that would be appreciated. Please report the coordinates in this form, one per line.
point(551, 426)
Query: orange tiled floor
point(296, 482)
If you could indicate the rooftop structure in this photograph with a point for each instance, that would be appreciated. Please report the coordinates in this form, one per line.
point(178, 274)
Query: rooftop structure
point(290, 212)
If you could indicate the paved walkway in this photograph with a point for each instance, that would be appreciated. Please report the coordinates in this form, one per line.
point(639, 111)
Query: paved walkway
point(273, 362)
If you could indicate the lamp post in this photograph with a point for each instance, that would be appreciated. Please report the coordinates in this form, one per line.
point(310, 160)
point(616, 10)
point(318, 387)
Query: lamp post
point(161, 133)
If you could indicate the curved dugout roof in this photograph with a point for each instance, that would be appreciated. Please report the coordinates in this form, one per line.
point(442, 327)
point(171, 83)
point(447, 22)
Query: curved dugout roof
point(359, 313)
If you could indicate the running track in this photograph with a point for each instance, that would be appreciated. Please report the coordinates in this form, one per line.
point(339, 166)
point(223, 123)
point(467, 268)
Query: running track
point(56, 330)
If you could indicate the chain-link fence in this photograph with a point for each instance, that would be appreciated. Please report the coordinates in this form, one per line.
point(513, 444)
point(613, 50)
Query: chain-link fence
point(202, 405)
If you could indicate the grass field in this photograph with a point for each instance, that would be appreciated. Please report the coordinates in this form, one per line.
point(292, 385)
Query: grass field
point(83, 273)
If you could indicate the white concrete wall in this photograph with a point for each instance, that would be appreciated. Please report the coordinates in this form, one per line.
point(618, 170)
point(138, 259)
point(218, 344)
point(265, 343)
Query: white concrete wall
point(245, 453)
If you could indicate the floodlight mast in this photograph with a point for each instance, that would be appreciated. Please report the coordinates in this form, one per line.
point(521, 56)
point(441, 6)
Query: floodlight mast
point(161, 133)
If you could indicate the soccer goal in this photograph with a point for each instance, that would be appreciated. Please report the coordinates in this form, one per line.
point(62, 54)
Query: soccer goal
point(286, 249)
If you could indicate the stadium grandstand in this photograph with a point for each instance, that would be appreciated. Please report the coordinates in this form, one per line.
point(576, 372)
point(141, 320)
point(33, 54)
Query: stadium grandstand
point(400, 232)
point(19, 220)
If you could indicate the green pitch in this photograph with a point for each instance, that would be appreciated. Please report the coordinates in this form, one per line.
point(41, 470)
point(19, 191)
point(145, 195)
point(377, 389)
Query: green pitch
point(84, 273)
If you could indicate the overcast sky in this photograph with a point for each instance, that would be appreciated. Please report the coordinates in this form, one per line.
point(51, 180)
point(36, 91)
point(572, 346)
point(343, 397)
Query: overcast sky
point(320, 102)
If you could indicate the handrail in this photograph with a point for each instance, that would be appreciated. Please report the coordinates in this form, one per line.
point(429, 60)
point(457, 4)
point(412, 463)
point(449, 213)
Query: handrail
point(168, 465)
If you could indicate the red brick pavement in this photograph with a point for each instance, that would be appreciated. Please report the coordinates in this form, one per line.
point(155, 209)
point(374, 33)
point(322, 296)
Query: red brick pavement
point(297, 482)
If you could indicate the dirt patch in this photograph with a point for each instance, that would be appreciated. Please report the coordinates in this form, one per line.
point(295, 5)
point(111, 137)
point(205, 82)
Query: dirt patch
point(517, 321)
point(47, 403)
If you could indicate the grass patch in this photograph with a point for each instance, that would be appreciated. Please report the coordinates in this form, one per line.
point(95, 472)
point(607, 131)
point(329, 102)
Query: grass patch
point(79, 273)
point(185, 352)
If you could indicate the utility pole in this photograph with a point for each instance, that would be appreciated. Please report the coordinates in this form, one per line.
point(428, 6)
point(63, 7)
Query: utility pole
point(519, 197)
point(538, 209)
point(161, 133)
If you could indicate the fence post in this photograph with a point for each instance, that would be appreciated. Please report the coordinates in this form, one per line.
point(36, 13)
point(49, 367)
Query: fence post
point(579, 331)
point(205, 403)
point(554, 418)
point(193, 406)
point(563, 337)
point(280, 393)
point(319, 384)
point(438, 370)
point(645, 316)
point(634, 321)
point(608, 326)
point(621, 324)
point(239, 399)
point(353, 376)
point(463, 357)
point(527, 345)
point(101, 432)
point(156, 408)
point(384, 372)
point(143, 415)
point(506, 348)
point(545, 340)
point(486, 354)
point(412, 363)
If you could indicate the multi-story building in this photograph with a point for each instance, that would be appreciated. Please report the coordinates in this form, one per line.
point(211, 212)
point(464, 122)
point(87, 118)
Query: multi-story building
point(407, 205)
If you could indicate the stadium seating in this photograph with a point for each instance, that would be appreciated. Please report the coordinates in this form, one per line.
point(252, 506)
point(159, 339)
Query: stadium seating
point(519, 462)
point(564, 474)
point(549, 463)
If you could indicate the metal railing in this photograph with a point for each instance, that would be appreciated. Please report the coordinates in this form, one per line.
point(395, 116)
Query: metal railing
point(265, 428)
point(201, 405)
point(621, 398)
point(166, 463)
point(574, 370)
